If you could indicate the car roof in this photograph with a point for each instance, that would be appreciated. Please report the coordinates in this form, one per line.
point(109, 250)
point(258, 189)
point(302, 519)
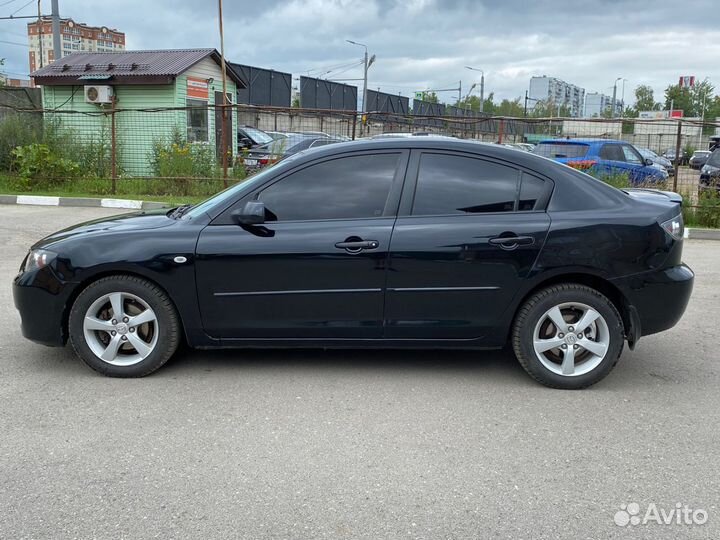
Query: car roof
point(581, 140)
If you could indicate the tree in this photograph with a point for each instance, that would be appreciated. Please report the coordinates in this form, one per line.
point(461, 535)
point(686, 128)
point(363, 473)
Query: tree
point(645, 99)
point(549, 109)
point(689, 100)
point(2, 63)
point(430, 97)
point(510, 108)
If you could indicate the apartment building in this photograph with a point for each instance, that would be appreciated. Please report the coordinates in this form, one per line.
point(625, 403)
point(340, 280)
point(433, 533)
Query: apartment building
point(560, 93)
point(75, 37)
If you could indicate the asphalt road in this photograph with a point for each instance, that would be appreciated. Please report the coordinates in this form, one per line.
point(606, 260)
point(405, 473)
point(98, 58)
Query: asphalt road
point(313, 444)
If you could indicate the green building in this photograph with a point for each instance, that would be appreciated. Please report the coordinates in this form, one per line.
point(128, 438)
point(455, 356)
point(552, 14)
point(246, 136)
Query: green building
point(158, 96)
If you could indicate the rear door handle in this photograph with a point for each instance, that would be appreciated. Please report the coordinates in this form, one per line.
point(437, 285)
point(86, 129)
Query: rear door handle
point(511, 242)
point(358, 245)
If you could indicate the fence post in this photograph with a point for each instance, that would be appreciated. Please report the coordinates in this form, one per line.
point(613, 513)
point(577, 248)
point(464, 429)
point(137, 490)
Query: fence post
point(113, 148)
point(678, 143)
point(354, 125)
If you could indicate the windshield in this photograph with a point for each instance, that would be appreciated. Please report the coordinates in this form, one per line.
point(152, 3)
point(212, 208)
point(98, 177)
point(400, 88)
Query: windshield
point(714, 159)
point(258, 136)
point(561, 150)
point(280, 146)
point(647, 153)
point(702, 153)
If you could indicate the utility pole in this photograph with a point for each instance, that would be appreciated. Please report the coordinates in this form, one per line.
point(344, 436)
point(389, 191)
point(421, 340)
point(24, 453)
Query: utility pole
point(224, 145)
point(40, 36)
point(367, 62)
point(57, 51)
point(459, 92)
point(482, 86)
point(614, 99)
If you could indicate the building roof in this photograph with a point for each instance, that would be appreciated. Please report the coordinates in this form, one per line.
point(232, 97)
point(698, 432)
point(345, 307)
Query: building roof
point(126, 67)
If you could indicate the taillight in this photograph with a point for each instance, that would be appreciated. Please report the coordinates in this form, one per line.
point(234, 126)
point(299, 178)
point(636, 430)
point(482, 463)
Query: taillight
point(675, 227)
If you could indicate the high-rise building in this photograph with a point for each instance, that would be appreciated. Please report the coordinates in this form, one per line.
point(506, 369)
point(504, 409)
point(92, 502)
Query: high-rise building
point(75, 37)
point(558, 92)
point(597, 104)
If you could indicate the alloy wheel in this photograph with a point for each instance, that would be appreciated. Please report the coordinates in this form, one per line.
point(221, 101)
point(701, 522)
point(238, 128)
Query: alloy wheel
point(120, 328)
point(571, 339)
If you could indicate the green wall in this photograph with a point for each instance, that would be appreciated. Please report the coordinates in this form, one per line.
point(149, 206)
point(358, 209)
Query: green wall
point(136, 130)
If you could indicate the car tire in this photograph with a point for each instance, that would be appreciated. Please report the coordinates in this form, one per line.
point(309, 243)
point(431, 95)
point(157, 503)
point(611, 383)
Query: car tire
point(124, 326)
point(556, 345)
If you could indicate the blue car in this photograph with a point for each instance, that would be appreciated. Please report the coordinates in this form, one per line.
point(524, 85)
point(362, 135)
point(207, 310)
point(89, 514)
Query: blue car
point(603, 157)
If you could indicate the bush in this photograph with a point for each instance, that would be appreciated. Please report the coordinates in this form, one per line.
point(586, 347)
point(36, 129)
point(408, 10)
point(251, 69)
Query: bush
point(39, 167)
point(17, 130)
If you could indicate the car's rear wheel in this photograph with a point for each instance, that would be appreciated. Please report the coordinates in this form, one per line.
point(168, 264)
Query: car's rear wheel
point(568, 336)
point(124, 326)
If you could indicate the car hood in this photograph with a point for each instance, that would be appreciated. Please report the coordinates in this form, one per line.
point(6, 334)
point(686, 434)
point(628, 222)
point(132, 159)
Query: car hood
point(125, 222)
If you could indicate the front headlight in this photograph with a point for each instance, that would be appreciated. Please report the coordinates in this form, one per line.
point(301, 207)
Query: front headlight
point(37, 259)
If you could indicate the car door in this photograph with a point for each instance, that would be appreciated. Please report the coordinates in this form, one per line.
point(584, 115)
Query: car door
point(316, 267)
point(639, 171)
point(468, 233)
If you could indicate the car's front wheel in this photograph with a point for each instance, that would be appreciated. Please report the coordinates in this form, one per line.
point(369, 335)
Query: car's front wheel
point(568, 336)
point(124, 326)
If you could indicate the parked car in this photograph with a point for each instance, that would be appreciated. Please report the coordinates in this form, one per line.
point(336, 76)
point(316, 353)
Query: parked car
point(699, 158)
point(710, 172)
point(670, 154)
point(250, 137)
point(415, 242)
point(659, 161)
point(405, 134)
point(281, 148)
point(608, 157)
point(277, 134)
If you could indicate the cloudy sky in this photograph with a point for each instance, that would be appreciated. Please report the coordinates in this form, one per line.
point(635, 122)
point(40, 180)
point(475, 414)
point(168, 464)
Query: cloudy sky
point(422, 44)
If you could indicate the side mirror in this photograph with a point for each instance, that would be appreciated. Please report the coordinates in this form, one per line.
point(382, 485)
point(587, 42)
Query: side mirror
point(649, 162)
point(253, 213)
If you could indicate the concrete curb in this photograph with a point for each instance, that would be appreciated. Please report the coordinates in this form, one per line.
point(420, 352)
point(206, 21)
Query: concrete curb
point(703, 234)
point(42, 200)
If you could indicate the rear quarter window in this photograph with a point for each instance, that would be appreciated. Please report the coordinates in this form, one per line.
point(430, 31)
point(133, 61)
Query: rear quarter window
point(561, 150)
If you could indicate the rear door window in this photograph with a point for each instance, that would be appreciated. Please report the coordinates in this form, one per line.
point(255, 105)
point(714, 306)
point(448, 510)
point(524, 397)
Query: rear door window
point(612, 152)
point(453, 184)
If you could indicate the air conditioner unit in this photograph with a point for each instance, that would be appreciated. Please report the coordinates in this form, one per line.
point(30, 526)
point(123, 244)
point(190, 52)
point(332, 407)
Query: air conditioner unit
point(98, 94)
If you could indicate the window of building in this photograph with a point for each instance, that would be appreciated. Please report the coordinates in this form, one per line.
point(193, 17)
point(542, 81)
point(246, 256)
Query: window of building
point(197, 120)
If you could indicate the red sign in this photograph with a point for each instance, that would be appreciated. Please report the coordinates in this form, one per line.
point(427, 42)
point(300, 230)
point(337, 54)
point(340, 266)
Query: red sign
point(197, 88)
point(686, 81)
point(676, 113)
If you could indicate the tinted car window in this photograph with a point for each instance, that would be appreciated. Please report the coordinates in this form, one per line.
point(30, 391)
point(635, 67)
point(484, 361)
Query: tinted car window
point(561, 150)
point(631, 156)
point(612, 152)
point(449, 184)
point(532, 189)
point(343, 188)
point(714, 159)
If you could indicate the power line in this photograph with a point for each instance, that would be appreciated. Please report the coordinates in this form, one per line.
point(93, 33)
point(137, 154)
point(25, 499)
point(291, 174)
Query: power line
point(14, 43)
point(23, 7)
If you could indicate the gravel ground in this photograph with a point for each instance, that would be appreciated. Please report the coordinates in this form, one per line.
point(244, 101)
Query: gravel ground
point(313, 444)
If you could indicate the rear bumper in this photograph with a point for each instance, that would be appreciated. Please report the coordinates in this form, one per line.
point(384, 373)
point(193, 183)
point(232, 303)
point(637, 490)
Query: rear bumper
point(659, 298)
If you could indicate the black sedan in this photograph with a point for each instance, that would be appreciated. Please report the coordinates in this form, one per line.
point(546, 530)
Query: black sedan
point(699, 158)
point(408, 243)
point(710, 172)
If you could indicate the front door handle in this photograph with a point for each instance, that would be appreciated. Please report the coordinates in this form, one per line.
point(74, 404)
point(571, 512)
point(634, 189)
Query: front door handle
point(356, 246)
point(511, 242)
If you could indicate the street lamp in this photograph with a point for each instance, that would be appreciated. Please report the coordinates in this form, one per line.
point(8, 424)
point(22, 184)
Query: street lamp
point(482, 85)
point(614, 106)
point(367, 63)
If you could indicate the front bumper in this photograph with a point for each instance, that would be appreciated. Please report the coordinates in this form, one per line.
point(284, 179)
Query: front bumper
point(41, 299)
point(659, 298)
